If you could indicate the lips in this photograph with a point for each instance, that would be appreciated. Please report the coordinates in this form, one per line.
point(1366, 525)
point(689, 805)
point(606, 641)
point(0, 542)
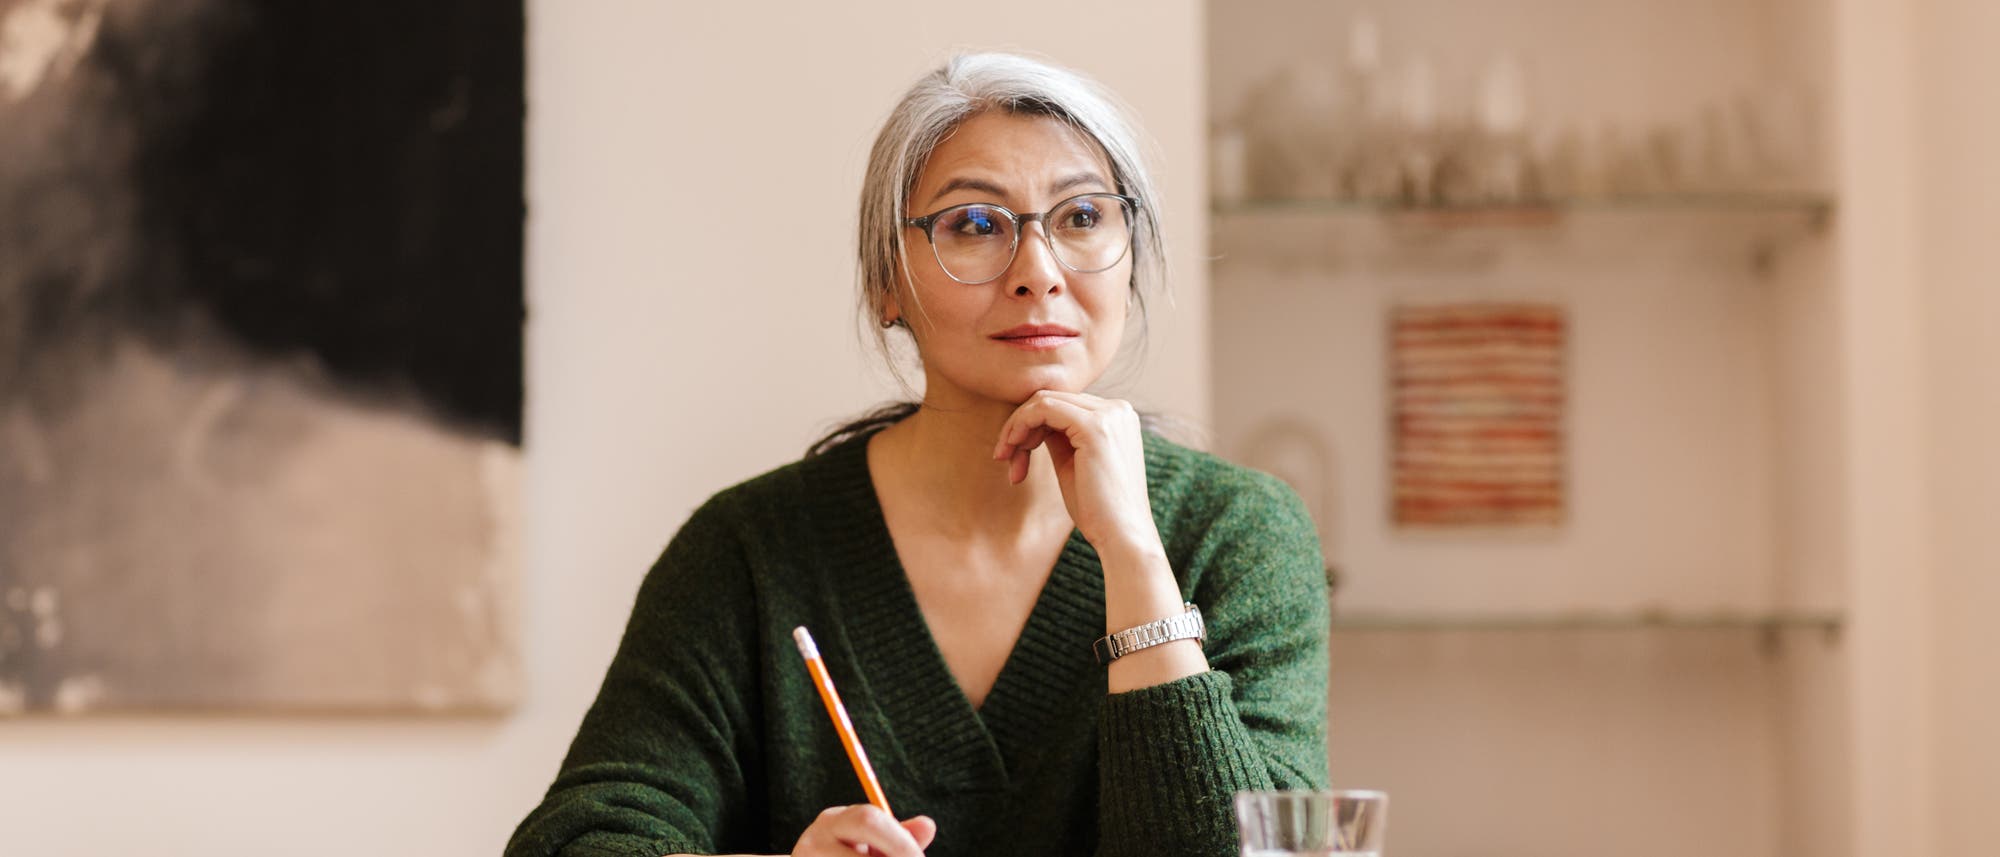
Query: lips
point(1035, 331)
point(1037, 337)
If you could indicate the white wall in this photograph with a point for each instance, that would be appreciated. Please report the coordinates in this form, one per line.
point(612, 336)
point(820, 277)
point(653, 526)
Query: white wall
point(1922, 405)
point(1565, 743)
point(1882, 400)
point(669, 355)
point(1960, 215)
point(1808, 459)
point(1632, 733)
point(1670, 424)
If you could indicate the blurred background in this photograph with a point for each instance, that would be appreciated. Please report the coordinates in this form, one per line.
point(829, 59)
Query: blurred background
point(1704, 289)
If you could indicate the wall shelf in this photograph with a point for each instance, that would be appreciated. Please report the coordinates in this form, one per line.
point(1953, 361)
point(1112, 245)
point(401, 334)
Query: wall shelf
point(1734, 229)
point(1770, 628)
point(1826, 622)
point(1807, 203)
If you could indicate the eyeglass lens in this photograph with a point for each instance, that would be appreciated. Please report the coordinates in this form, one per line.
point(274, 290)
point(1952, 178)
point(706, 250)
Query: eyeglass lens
point(975, 243)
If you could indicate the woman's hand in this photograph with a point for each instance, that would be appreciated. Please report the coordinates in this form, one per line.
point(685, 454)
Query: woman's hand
point(1100, 462)
point(843, 831)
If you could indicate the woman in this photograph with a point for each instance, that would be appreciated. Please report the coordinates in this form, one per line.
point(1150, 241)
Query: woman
point(959, 561)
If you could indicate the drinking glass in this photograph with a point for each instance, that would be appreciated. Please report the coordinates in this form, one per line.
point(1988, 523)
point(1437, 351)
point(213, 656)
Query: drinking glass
point(1312, 824)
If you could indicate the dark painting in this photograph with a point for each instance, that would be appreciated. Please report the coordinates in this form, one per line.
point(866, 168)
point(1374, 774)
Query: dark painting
point(260, 354)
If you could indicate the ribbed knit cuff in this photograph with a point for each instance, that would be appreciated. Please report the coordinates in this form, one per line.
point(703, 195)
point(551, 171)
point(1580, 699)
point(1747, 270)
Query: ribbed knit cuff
point(1171, 759)
point(622, 845)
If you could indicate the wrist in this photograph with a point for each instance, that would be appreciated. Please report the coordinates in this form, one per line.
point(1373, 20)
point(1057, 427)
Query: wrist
point(1131, 550)
point(1139, 591)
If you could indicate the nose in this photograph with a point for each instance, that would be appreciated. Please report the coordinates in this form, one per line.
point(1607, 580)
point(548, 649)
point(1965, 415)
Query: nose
point(1034, 270)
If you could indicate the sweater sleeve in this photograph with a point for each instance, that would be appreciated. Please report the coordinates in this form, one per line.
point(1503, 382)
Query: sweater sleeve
point(1173, 756)
point(658, 765)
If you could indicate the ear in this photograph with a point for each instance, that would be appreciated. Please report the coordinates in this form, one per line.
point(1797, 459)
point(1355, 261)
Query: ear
point(891, 309)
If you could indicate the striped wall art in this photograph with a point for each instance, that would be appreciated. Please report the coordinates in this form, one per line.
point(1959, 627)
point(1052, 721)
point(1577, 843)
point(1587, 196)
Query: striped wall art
point(1477, 401)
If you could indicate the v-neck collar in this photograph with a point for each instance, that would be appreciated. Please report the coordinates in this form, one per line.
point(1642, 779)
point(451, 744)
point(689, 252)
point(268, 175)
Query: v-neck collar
point(1043, 679)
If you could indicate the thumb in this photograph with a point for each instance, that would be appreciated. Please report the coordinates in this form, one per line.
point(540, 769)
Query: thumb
point(923, 829)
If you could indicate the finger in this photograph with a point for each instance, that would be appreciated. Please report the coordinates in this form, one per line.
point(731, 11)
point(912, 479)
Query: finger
point(1037, 437)
point(922, 829)
point(1064, 412)
point(1017, 436)
point(1069, 418)
point(1034, 437)
point(832, 834)
point(813, 844)
point(1038, 411)
point(1060, 450)
point(1086, 400)
point(1004, 447)
point(1015, 428)
point(867, 826)
point(819, 839)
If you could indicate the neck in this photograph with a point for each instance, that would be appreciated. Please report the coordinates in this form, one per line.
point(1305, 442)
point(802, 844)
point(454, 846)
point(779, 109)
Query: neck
point(942, 456)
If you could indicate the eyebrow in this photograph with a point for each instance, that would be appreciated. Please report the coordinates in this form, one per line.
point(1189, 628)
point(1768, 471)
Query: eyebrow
point(1060, 185)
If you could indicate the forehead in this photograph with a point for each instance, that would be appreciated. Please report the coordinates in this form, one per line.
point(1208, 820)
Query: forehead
point(1019, 152)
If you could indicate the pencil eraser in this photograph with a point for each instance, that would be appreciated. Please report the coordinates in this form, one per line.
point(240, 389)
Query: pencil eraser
point(805, 640)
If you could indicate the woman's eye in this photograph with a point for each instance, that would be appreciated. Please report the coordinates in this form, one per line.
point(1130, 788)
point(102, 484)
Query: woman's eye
point(1081, 217)
point(975, 222)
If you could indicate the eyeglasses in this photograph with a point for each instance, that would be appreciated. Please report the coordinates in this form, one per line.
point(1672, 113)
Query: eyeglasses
point(975, 242)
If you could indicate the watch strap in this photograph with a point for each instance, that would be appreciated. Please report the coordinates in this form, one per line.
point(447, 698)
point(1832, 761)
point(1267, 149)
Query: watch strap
point(1187, 625)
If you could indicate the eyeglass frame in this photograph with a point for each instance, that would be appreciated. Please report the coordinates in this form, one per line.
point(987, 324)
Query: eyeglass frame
point(1021, 222)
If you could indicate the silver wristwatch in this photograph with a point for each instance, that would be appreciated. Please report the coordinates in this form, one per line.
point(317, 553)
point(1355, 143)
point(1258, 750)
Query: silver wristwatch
point(1186, 626)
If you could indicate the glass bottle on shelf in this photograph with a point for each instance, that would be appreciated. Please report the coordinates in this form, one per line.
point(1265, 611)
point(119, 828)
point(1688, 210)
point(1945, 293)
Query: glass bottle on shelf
point(1417, 135)
point(1358, 151)
point(1500, 168)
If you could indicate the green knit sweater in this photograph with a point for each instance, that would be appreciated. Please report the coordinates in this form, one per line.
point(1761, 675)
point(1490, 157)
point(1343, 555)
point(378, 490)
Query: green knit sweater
point(708, 737)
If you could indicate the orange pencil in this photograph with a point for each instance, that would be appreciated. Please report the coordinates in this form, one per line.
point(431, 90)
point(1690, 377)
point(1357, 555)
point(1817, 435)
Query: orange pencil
point(859, 757)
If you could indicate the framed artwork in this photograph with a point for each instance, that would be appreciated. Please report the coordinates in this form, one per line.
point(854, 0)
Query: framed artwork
point(1478, 396)
point(260, 355)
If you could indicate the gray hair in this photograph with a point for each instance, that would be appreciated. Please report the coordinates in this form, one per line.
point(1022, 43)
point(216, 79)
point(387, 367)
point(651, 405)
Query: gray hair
point(967, 85)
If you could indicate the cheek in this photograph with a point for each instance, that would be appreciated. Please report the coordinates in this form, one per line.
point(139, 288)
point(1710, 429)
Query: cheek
point(942, 312)
point(920, 295)
point(1115, 327)
point(1110, 299)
